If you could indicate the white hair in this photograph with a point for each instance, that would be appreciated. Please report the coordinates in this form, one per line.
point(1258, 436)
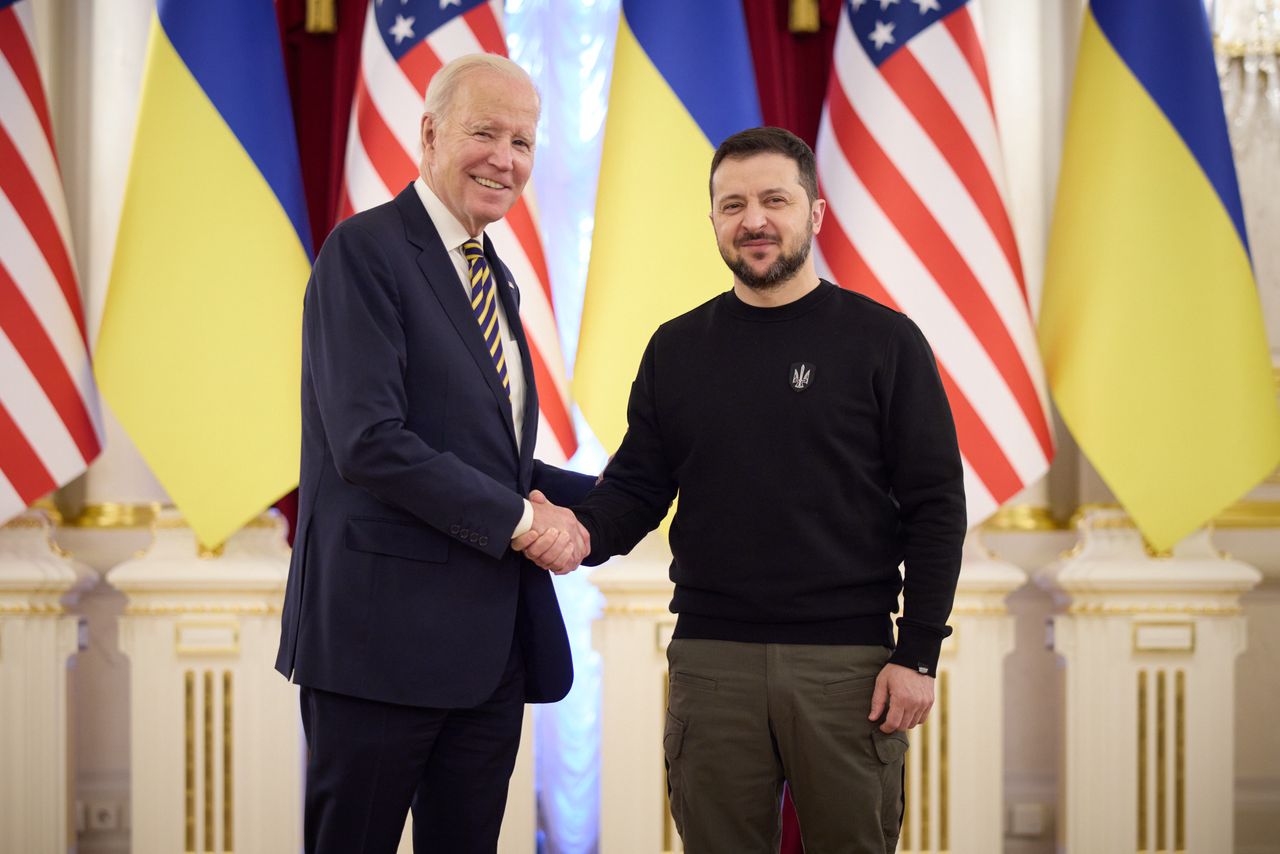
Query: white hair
point(443, 88)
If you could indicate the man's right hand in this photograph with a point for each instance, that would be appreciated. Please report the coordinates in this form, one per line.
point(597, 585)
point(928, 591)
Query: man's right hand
point(557, 541)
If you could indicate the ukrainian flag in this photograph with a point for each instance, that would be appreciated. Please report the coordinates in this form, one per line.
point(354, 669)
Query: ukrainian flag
point(1150, 324)
point(682, 81)
point(199, 351)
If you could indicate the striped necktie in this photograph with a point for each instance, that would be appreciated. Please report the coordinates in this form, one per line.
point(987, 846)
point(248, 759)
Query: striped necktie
point(484, 302)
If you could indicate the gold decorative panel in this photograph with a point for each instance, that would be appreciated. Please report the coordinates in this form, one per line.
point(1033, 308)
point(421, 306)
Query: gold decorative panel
point(1162, 758)
point(209, 771)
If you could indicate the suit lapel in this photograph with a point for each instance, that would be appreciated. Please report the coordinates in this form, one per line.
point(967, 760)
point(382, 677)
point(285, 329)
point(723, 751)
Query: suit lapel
point(436, 265)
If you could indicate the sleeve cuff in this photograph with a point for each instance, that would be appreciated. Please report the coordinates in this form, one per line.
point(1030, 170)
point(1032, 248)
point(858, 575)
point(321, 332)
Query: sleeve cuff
point(918, 649)
point(526, 520)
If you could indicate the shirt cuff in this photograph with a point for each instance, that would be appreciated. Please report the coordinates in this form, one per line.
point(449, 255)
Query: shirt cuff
point(526, 520)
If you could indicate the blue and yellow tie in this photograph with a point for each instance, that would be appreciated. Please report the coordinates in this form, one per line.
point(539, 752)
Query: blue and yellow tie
point(484, 302)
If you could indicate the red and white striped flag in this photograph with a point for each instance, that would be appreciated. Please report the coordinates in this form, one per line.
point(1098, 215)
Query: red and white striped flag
point(50, 427)
point(405, 43)
point(909, 162)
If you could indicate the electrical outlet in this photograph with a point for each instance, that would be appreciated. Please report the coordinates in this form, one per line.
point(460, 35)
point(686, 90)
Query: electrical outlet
point(103, 815)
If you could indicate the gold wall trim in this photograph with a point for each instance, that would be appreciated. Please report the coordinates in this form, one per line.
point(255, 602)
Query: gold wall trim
point(209, 826)
point(1106, 609)
point(31, 609)
point(162, 609)
point(115, 515)
point(1241, 515)
point(189, 797)
point(1241, 49)
point(1023, 518)
point(1162, 762)
point(1142, 760)
point(228, 767)
point(636, 609)
point(1249, 514)
point(23, 523)
point(1180, 761)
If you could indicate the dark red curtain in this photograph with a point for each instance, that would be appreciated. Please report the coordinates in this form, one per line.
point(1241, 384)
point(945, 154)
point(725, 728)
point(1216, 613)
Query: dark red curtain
point(321, 68)
point(791, 68)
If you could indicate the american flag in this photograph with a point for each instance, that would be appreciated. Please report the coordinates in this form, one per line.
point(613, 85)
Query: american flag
point(49, 419)
point(405, 43)
point(909, 162)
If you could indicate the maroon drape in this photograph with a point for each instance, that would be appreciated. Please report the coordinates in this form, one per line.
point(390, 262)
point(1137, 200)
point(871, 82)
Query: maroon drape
point(321, 68)
point(791, 69)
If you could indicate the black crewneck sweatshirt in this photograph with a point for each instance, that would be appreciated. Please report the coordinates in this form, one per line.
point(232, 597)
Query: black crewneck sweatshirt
point(813, 451)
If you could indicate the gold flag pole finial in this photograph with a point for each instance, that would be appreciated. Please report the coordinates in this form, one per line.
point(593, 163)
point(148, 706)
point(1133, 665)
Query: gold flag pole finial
point(321, 16)
point(804, 16)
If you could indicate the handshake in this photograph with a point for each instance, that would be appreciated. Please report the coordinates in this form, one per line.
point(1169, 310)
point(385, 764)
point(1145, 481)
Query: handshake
point(557, 542)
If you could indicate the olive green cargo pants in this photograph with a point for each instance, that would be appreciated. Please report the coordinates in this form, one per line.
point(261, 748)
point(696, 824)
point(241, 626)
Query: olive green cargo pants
point(744, 717)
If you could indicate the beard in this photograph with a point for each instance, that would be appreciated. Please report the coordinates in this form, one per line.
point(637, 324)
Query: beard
point(777, 273)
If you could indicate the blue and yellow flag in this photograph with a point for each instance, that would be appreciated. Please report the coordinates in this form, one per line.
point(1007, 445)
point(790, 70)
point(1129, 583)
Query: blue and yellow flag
point(1150, 324)
point(199, 352)
point(682, 81)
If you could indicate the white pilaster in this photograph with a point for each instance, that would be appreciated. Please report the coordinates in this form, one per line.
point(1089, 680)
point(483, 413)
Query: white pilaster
point(37, 637)
point(631, 637)
point(1150, 645)
point(216, 747)
point(955, 767)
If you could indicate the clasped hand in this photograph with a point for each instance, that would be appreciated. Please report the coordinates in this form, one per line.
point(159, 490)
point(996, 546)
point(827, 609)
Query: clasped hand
point(557, 541)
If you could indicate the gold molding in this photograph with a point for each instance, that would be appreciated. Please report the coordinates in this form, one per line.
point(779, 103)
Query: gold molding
point(20, 523)
point(636, 609)
point(1142, 760)
point(228, 767)
point(1238, 49)
point(1023, 518)
point(209, 827)
point(111, 515)
point(189, 749)
point(158, 609)
point(1249, 515)
point(1108, 609)
point(1180, 761)
point(980, 610)
point(31, 609)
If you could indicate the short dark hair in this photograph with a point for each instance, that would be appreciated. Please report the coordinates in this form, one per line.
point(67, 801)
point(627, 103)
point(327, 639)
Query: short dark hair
point(770, 140)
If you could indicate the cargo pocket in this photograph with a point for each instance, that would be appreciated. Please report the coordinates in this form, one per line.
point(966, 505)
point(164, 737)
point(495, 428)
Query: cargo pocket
point(672, 745)
point(891, 749)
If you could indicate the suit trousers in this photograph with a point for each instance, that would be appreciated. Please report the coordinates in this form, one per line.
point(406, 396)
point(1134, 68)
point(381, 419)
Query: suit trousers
point(745, 717)
point(369, 763)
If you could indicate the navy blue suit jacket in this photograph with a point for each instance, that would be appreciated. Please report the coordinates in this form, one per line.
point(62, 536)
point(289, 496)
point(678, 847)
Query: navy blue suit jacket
point(403, 586)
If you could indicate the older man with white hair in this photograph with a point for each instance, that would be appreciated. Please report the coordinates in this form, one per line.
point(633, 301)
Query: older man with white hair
point(412, 621)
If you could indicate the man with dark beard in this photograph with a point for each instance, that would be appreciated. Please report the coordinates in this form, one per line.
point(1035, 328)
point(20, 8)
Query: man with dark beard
point(808, 435)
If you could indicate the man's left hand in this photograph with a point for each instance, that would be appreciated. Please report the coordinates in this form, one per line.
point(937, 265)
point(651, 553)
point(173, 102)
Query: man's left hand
point(908, 694)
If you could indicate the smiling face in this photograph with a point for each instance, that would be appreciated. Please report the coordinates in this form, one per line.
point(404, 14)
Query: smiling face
point(763, 218)
point(477, 155)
